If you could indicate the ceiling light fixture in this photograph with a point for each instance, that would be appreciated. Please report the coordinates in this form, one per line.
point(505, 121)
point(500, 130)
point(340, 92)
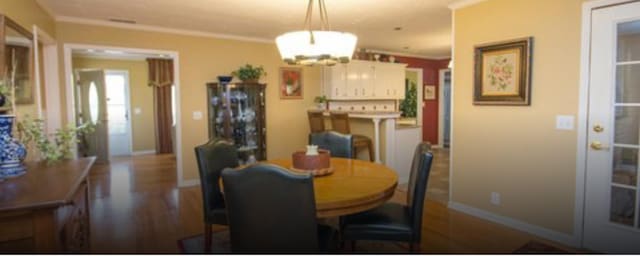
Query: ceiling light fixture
point(309, 47)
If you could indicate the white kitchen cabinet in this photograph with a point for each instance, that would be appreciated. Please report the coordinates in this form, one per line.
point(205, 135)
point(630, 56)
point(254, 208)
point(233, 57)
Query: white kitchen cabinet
point(359, 80)
point(335, 81)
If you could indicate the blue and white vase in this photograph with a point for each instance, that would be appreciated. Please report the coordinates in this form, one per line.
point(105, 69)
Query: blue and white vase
point(12, 152)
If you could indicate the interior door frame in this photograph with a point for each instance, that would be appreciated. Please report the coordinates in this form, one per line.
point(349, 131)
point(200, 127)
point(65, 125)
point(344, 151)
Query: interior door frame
point(68, 84)
point(419, 101)
point(128, 102)
point(581, 124)
point(441, 73)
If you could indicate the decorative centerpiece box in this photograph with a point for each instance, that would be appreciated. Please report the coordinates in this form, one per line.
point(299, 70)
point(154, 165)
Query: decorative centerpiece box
point(315, 161)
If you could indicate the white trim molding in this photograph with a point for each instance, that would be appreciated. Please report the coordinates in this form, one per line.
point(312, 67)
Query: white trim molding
point(441, 81)
point(159, 29)
point(464, 3)
point(68, 70)
point(188, 183)
point(452, 109)
point(187, 32)
point(143, 152)
point(582, 118)
point(404, 54)
point(553, 235)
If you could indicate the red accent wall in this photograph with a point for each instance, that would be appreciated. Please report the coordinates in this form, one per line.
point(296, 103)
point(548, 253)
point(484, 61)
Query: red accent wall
point(430, 72)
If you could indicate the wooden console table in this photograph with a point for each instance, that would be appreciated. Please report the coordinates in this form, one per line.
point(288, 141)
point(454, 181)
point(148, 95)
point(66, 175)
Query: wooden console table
point(47, 209)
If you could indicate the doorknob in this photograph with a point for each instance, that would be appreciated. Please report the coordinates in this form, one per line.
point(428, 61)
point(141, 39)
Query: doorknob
point(597, 145)
point(598, 128)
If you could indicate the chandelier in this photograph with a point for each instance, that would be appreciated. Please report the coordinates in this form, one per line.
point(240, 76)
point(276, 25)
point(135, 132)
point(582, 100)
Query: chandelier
point(309, 47)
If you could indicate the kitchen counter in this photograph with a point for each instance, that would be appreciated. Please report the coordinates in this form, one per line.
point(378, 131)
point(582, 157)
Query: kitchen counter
point(388, 120)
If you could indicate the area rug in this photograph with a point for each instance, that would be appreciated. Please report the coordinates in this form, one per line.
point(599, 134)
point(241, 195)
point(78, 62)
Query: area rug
point(536, 247)
point(221, 245)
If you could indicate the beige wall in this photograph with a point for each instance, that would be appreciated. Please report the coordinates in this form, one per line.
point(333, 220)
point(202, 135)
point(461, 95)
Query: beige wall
point(28, 13)
point(201, 60)
point(517, 151)
point(140, 96)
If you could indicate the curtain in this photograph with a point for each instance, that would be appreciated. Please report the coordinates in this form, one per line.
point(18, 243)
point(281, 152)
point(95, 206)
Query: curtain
point(161, 79)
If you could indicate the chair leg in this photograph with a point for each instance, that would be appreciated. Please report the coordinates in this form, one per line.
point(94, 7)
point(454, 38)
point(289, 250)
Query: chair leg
point(207, 237)
point(371, 157)
point(414, 247)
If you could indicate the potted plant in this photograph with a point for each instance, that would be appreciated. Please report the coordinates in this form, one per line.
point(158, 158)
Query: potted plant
point(249, 74)
point(5, 93)
point(32, 131)
point(321, 101)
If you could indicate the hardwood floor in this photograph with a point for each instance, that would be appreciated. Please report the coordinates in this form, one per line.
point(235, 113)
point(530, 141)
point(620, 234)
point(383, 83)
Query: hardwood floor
point(137, 208)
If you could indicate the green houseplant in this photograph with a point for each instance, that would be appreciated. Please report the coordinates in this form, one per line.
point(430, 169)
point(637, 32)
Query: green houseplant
point(408, 106)
point(31, 131)
point(249, 73)
point(5, 95)
point(321, 101)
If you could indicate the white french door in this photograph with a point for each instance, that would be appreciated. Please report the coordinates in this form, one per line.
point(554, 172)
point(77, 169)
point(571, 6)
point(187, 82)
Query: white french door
point(612, 192)
point(117, 88)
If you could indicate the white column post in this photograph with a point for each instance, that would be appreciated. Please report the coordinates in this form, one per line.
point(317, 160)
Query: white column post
point(376, 128)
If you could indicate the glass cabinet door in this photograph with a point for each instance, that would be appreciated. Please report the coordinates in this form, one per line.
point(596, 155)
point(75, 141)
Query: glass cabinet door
point(236, 113)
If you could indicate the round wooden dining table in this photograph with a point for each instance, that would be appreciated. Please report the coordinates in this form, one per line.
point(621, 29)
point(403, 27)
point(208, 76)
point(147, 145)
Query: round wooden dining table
point(354, 186)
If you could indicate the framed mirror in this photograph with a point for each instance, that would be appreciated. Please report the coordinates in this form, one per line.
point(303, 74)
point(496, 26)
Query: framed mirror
point(16, 59)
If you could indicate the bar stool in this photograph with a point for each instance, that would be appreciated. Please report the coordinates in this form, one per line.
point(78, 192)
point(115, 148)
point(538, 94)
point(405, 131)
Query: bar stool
point(340, 123)
point(316, 121)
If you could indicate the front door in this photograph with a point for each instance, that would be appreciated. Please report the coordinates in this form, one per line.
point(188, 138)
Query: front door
point(91, 107)
point(612, 196)
point(118, 112)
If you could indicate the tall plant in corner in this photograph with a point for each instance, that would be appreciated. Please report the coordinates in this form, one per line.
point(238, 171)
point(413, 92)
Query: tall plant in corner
point(56, 146)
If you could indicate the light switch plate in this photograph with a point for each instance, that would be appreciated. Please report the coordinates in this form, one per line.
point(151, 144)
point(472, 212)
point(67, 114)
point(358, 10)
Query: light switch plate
point(137, 111)
point(564, 122)
point(197, 115)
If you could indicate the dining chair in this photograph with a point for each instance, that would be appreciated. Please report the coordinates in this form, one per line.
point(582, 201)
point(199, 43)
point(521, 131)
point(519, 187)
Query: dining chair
point(316, 120)
point(273, 210)
point(212, 158)
point(340, 123)
point(337, 143)
point(393, 221)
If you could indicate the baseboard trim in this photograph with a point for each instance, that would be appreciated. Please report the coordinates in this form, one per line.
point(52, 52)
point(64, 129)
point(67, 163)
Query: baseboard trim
point(143, 152)
point(552, 235)
point(188, 183)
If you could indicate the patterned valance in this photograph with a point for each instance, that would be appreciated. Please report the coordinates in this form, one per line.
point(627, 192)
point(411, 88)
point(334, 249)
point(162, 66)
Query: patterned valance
point(160, 72)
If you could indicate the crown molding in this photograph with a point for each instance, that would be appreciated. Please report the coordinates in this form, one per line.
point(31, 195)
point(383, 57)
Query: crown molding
point(150, 28)
point(46, 9)
point(403, 54)
point(464, 3)
point(104, 23)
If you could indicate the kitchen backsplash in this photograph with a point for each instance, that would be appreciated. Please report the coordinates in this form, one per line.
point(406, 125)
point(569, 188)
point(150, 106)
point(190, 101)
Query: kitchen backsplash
point(363, 106)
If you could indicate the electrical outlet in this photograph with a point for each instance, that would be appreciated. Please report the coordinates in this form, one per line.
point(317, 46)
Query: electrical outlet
point(197, 115)
point(495, 198)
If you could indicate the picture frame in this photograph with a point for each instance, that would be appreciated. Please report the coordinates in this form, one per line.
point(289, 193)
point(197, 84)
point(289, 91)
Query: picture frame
point(429, 92)
point(290, 83)
point(503, 73)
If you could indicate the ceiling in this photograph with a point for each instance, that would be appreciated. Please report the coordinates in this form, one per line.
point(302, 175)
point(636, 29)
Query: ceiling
point(425, 24)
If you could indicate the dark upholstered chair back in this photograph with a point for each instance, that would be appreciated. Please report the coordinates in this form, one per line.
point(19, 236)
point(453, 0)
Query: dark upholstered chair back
point(270, 210)
point(339, 144)
point(340, 122)
point(418, 179)
point(316, 120)
point(212, 158)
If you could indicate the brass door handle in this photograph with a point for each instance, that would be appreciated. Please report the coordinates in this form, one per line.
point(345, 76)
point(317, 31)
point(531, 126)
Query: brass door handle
point(597, 145)
point(598, 128)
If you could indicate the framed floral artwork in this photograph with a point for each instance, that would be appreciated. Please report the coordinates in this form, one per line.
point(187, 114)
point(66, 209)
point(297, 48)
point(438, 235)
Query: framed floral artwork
point(503, 73)
point(291, 83)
